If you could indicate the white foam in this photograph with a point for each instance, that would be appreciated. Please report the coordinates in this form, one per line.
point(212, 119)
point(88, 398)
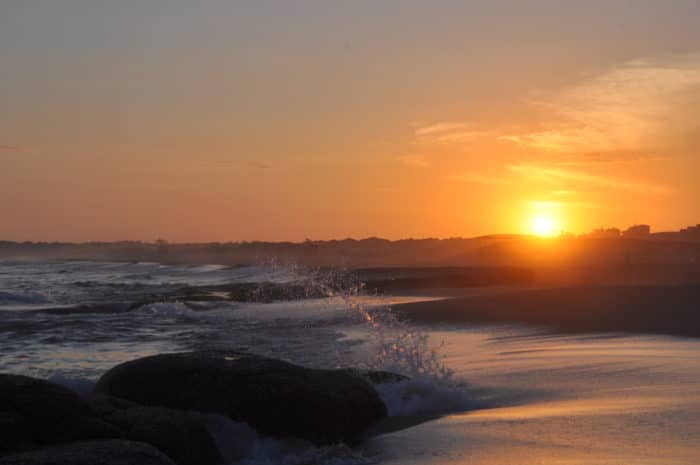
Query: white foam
point(166, 308)
point(240, 444)
point(426, 396)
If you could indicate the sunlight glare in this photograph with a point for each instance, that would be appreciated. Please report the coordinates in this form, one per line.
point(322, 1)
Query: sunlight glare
point(543, 226)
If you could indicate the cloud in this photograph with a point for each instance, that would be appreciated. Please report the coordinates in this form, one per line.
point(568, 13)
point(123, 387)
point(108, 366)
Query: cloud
point(561, 140)
point(414, 160)
point(441, 128)
point(557, 175)
point(553, 205)
point(448, 131)
point(623, 156)
point(636, 106)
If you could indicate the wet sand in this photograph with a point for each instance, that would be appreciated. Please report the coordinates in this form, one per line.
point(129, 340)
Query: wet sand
point(671, 310)
point(561, 399)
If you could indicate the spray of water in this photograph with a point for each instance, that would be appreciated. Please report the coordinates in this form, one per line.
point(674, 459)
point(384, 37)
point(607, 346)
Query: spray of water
point(395, 345)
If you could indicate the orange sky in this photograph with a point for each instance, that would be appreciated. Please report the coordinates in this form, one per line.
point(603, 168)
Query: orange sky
point(272, 121)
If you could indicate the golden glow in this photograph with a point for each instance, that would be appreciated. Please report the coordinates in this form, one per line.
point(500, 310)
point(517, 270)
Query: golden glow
point(543, 226)
point(438, 147)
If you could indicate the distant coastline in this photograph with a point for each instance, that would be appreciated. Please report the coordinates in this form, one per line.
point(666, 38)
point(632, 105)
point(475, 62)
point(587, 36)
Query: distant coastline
point(608, 247)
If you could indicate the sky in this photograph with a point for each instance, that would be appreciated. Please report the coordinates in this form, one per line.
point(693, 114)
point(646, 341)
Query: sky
point(286, 120)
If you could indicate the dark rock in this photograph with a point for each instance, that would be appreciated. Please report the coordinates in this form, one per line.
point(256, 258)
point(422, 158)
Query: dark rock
point(15, 432)
point(106, 452)
point(180, 436)
point(274, 397)
point(107, 405)
point(35, 412)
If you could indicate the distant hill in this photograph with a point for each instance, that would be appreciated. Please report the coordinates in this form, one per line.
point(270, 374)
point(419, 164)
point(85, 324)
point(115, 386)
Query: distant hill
point(681, 248)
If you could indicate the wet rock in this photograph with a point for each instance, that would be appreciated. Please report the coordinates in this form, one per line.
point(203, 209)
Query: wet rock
point(15, 432)
point(182, 437)
point(107, 405)
point(35, 412)
point(273, 396)
point(106, 452)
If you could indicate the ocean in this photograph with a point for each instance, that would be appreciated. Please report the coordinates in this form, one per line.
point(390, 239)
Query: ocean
point(478, 394)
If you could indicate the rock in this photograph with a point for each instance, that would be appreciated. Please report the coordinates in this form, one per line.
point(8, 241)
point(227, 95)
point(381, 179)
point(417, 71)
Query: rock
point(107, 405)
point(106, 452)
point(274, 397)
point(182, 437)
point(15, 432)
point(35, 412)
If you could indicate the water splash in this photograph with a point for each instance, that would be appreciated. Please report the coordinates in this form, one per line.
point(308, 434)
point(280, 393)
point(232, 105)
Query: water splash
point(395, 345)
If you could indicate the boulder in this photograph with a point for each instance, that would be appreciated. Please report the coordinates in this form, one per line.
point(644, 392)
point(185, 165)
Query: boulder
point(107, 405)
point(105, 452)
point(273, 396)
point(182, 437)
point(15, 432)
point(35, 412)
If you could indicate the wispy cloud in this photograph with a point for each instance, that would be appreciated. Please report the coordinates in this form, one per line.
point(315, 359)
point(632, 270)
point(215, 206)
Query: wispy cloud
point(448, 131)
point(441, 128)
point(597, 158)
point(554, 205)
point(633, 107)
point(557, 175)
point(415, 160)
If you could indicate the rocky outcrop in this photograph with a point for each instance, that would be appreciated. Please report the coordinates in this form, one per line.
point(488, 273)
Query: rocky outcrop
point(274, 397)
point(105, 452)
point(180, 436)
point(36, 413)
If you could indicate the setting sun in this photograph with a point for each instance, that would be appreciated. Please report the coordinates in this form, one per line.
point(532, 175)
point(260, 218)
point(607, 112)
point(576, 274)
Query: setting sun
point(543, 226)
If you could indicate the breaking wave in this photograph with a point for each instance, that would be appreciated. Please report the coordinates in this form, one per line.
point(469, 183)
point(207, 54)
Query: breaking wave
point(310, 331)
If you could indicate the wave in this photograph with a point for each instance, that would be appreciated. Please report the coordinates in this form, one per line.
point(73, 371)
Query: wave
point(166, 308)
point(23, 297)
point(425, 396)
point(396, 346)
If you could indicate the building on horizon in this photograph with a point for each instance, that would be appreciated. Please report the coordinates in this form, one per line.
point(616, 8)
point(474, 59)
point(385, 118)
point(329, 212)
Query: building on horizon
point(638, 231)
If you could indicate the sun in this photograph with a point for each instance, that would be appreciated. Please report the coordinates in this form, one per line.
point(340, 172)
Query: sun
point(543, 226)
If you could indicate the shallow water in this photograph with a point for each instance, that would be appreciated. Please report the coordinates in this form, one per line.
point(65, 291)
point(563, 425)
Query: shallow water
point(503, 395)
point(574, 400)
